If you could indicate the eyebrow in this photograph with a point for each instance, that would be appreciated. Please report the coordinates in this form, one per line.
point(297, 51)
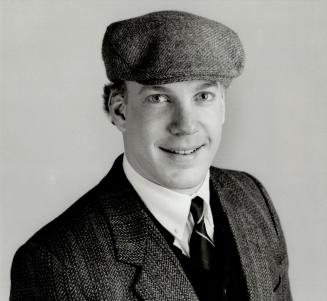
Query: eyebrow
point(156, 88)
point(207, 84)
point(163, 89)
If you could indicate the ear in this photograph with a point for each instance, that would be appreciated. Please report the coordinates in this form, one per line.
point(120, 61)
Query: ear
point(118, 110)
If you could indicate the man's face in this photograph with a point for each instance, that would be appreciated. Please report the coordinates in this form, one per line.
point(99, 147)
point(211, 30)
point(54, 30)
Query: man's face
point(172, 132)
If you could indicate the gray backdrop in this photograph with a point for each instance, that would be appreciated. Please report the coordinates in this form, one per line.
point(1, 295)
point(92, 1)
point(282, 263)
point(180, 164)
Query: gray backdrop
point(56, 142)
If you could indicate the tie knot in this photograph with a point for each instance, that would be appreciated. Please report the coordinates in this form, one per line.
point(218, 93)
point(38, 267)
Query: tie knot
point(197, 209)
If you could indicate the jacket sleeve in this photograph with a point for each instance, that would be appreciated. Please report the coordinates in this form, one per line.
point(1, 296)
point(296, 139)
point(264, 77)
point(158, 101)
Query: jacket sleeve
point(38, 275)
point(282, 288)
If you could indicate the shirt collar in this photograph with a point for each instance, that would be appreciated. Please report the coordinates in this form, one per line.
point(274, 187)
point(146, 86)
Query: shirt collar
point(170, 208)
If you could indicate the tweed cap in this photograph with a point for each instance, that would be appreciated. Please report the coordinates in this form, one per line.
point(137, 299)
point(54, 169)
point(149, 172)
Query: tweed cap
point(171, 46)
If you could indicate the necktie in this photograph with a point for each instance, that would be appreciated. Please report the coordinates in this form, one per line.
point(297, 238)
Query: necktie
point(201, 247)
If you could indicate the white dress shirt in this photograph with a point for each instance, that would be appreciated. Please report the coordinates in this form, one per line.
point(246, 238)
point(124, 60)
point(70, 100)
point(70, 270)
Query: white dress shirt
point(170, 208)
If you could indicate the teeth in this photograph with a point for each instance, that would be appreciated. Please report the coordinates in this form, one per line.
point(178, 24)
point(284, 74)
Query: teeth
point(183, 152)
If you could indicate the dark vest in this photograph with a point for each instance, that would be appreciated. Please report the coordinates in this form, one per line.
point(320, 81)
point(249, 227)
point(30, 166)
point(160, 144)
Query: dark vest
point(226, 282)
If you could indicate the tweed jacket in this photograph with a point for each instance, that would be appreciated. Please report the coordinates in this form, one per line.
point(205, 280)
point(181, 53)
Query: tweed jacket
point(106, 247)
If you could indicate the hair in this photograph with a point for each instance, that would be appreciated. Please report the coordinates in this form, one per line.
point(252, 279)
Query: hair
point(113, 87)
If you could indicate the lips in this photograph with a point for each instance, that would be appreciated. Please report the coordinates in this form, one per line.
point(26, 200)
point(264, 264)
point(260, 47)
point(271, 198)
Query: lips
point(181, 151)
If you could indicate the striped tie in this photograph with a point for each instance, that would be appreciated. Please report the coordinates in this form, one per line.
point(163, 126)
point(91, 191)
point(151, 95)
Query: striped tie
point(201, 246)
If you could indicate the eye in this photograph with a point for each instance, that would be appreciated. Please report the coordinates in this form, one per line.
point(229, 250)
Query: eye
point(204, 96)
point(157, 98)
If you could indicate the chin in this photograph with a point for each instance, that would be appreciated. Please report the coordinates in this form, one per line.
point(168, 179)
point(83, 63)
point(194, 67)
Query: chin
point(184, 183)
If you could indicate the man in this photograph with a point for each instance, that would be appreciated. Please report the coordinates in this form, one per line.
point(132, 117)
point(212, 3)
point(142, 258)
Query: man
point(163, 224)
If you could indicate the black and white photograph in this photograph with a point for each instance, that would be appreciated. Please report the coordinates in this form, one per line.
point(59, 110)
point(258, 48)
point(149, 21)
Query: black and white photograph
point(163, 150)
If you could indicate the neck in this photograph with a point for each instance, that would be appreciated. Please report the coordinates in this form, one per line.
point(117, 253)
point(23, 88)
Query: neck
point(188, 191)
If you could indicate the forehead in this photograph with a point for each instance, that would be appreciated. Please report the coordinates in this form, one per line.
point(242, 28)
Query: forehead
point(190, 86)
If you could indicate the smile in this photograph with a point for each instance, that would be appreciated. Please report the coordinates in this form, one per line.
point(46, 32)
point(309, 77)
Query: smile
point(183, 152)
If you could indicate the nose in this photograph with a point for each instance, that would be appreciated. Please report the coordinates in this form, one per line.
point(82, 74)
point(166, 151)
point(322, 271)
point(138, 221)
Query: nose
point(183, 121)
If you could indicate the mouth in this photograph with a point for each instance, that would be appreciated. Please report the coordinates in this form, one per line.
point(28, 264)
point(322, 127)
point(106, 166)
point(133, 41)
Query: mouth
point(181, 151)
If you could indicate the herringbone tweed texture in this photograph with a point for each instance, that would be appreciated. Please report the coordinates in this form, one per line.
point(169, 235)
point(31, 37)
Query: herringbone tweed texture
point(106, 247)
point(171, 46)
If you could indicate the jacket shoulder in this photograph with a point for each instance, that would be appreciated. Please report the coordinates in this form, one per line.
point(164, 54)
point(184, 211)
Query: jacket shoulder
point(230, 177)
point(251, 196)
point(84, 223)
point(59, 261)
point(73, 230)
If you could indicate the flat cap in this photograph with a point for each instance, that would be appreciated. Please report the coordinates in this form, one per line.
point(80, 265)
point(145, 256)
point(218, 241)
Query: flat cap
point(171, 46)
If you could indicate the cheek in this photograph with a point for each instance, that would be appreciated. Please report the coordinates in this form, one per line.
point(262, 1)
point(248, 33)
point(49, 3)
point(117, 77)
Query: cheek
point(144, 129)
point(213, 120)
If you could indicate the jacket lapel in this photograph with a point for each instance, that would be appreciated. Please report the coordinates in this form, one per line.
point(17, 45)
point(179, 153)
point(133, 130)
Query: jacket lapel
point(159, 275)
point(247, 235)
